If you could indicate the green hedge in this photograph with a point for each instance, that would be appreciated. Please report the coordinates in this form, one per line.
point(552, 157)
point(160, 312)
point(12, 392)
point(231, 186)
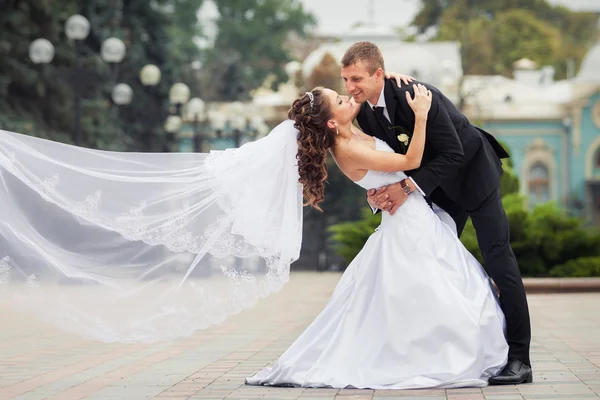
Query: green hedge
point(583, 267)
point(350, 237)
point(545, 240)
point(542, 239)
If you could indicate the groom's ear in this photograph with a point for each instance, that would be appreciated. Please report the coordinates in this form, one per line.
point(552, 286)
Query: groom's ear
point(379, 74)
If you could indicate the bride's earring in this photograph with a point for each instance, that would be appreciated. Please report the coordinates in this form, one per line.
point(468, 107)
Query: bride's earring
point(336, 131)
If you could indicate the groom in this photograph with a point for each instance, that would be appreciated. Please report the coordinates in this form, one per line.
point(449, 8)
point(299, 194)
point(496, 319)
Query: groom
point(460, 172)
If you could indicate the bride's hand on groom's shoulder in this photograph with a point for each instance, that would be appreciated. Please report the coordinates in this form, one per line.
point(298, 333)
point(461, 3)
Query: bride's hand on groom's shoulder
point(399, 78)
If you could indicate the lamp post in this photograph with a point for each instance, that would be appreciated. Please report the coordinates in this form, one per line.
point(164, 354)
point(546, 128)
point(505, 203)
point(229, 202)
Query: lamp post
point(172, 126)
point(113, 52)
point(77, 28)
point(179, 94)
point(195, 113)
point(150, 76)
point(41, 52)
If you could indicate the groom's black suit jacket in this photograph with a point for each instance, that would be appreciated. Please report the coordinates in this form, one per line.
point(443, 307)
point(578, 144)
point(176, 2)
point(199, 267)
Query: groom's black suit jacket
point(459, 158)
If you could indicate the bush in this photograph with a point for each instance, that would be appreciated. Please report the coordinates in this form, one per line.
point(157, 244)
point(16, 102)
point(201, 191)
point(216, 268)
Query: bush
point(558, 237)
point(509, 182)
point(350, 237)
point(546, 241)
point(583, 267)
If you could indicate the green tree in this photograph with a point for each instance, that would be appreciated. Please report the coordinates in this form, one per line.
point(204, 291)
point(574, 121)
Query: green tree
point(39, 101)
point(518, 34)
point(494, 33)
point(251, 45)
point(477, 52)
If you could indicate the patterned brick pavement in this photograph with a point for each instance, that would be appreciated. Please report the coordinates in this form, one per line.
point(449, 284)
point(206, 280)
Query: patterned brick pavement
point(39, 362)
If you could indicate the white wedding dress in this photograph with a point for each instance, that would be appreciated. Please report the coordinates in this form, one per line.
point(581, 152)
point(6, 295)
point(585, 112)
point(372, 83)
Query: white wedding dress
point(414, 309)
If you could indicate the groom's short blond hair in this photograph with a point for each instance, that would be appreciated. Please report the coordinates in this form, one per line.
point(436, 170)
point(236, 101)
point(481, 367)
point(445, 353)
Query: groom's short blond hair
point(366, 52)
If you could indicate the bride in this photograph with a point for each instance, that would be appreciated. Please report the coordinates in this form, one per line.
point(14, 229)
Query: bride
point(414, 308)
point(143, 247)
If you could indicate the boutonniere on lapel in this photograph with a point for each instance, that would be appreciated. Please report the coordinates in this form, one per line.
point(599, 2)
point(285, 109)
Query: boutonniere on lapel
point(403, 136)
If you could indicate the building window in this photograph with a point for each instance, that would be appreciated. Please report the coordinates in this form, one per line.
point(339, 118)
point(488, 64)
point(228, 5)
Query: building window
point(597, 159)
point(539, 183)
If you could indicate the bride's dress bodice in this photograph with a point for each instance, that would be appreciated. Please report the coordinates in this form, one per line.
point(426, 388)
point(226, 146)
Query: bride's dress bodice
point(377, 179)
point(414, 207)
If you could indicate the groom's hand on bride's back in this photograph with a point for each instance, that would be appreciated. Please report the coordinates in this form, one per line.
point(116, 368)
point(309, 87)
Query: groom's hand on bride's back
point(388, 198)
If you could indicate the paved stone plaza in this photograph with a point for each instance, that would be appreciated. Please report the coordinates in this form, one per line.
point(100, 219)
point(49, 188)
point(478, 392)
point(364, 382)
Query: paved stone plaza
point(39, 362)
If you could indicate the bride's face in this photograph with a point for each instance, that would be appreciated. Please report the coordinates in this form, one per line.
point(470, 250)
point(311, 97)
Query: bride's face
point(343, 108)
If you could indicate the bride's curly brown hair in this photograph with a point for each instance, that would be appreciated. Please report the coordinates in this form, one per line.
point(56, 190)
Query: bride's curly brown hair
point(314, 140)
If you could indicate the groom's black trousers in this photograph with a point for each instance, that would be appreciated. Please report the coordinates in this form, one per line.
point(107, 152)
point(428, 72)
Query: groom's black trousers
point(493, 235)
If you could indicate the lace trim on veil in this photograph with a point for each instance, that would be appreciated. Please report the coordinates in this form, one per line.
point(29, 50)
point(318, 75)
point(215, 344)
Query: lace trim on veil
point(241, 207)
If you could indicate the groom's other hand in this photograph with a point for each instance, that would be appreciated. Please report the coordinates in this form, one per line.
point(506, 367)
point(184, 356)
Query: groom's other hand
point(399, 78)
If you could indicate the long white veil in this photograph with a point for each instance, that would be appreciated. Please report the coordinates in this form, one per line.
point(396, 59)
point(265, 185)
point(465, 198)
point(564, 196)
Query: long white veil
point(141, 247)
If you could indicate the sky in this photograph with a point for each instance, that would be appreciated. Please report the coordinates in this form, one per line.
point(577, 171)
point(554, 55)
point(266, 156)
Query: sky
point(335, 16)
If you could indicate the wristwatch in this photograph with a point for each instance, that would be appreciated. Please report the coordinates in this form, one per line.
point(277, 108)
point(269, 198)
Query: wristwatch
point(405, 187)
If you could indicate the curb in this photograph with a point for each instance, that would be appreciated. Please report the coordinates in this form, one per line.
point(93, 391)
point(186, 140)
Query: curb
point(561, 285)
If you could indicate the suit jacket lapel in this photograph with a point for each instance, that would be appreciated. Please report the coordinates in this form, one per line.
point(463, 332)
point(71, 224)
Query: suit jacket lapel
point(390, 100)
point(378, 129)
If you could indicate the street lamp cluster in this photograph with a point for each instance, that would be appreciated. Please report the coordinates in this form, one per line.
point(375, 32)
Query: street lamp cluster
point(77, 28)
point(230, 126)
point(237, 123)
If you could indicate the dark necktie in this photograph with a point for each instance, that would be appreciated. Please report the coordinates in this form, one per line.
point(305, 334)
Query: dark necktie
point(379, 114)
point(387, 131)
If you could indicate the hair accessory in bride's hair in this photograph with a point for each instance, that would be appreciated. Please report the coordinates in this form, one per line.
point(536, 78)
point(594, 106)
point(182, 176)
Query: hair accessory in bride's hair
point(312, 99)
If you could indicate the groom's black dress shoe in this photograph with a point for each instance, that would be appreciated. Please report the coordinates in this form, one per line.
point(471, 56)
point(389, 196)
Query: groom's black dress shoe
point(514, 373)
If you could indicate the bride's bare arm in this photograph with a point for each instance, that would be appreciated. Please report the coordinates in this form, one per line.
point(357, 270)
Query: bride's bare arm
point(366, 158)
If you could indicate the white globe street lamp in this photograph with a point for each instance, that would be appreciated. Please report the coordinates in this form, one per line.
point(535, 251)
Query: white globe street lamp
point(262, 130)
point(150, 75)
point(113, 50)
point(179, 93)
point(41, 51)
point(77, 27)
point(238, 122)
point(195, 108)
point(173, 123)
point(237, 108)
point(217, 120)
point(256, 121)
point(122, 94)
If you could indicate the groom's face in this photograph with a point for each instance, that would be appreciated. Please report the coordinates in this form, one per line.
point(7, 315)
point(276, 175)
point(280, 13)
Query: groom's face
point(361, 84)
